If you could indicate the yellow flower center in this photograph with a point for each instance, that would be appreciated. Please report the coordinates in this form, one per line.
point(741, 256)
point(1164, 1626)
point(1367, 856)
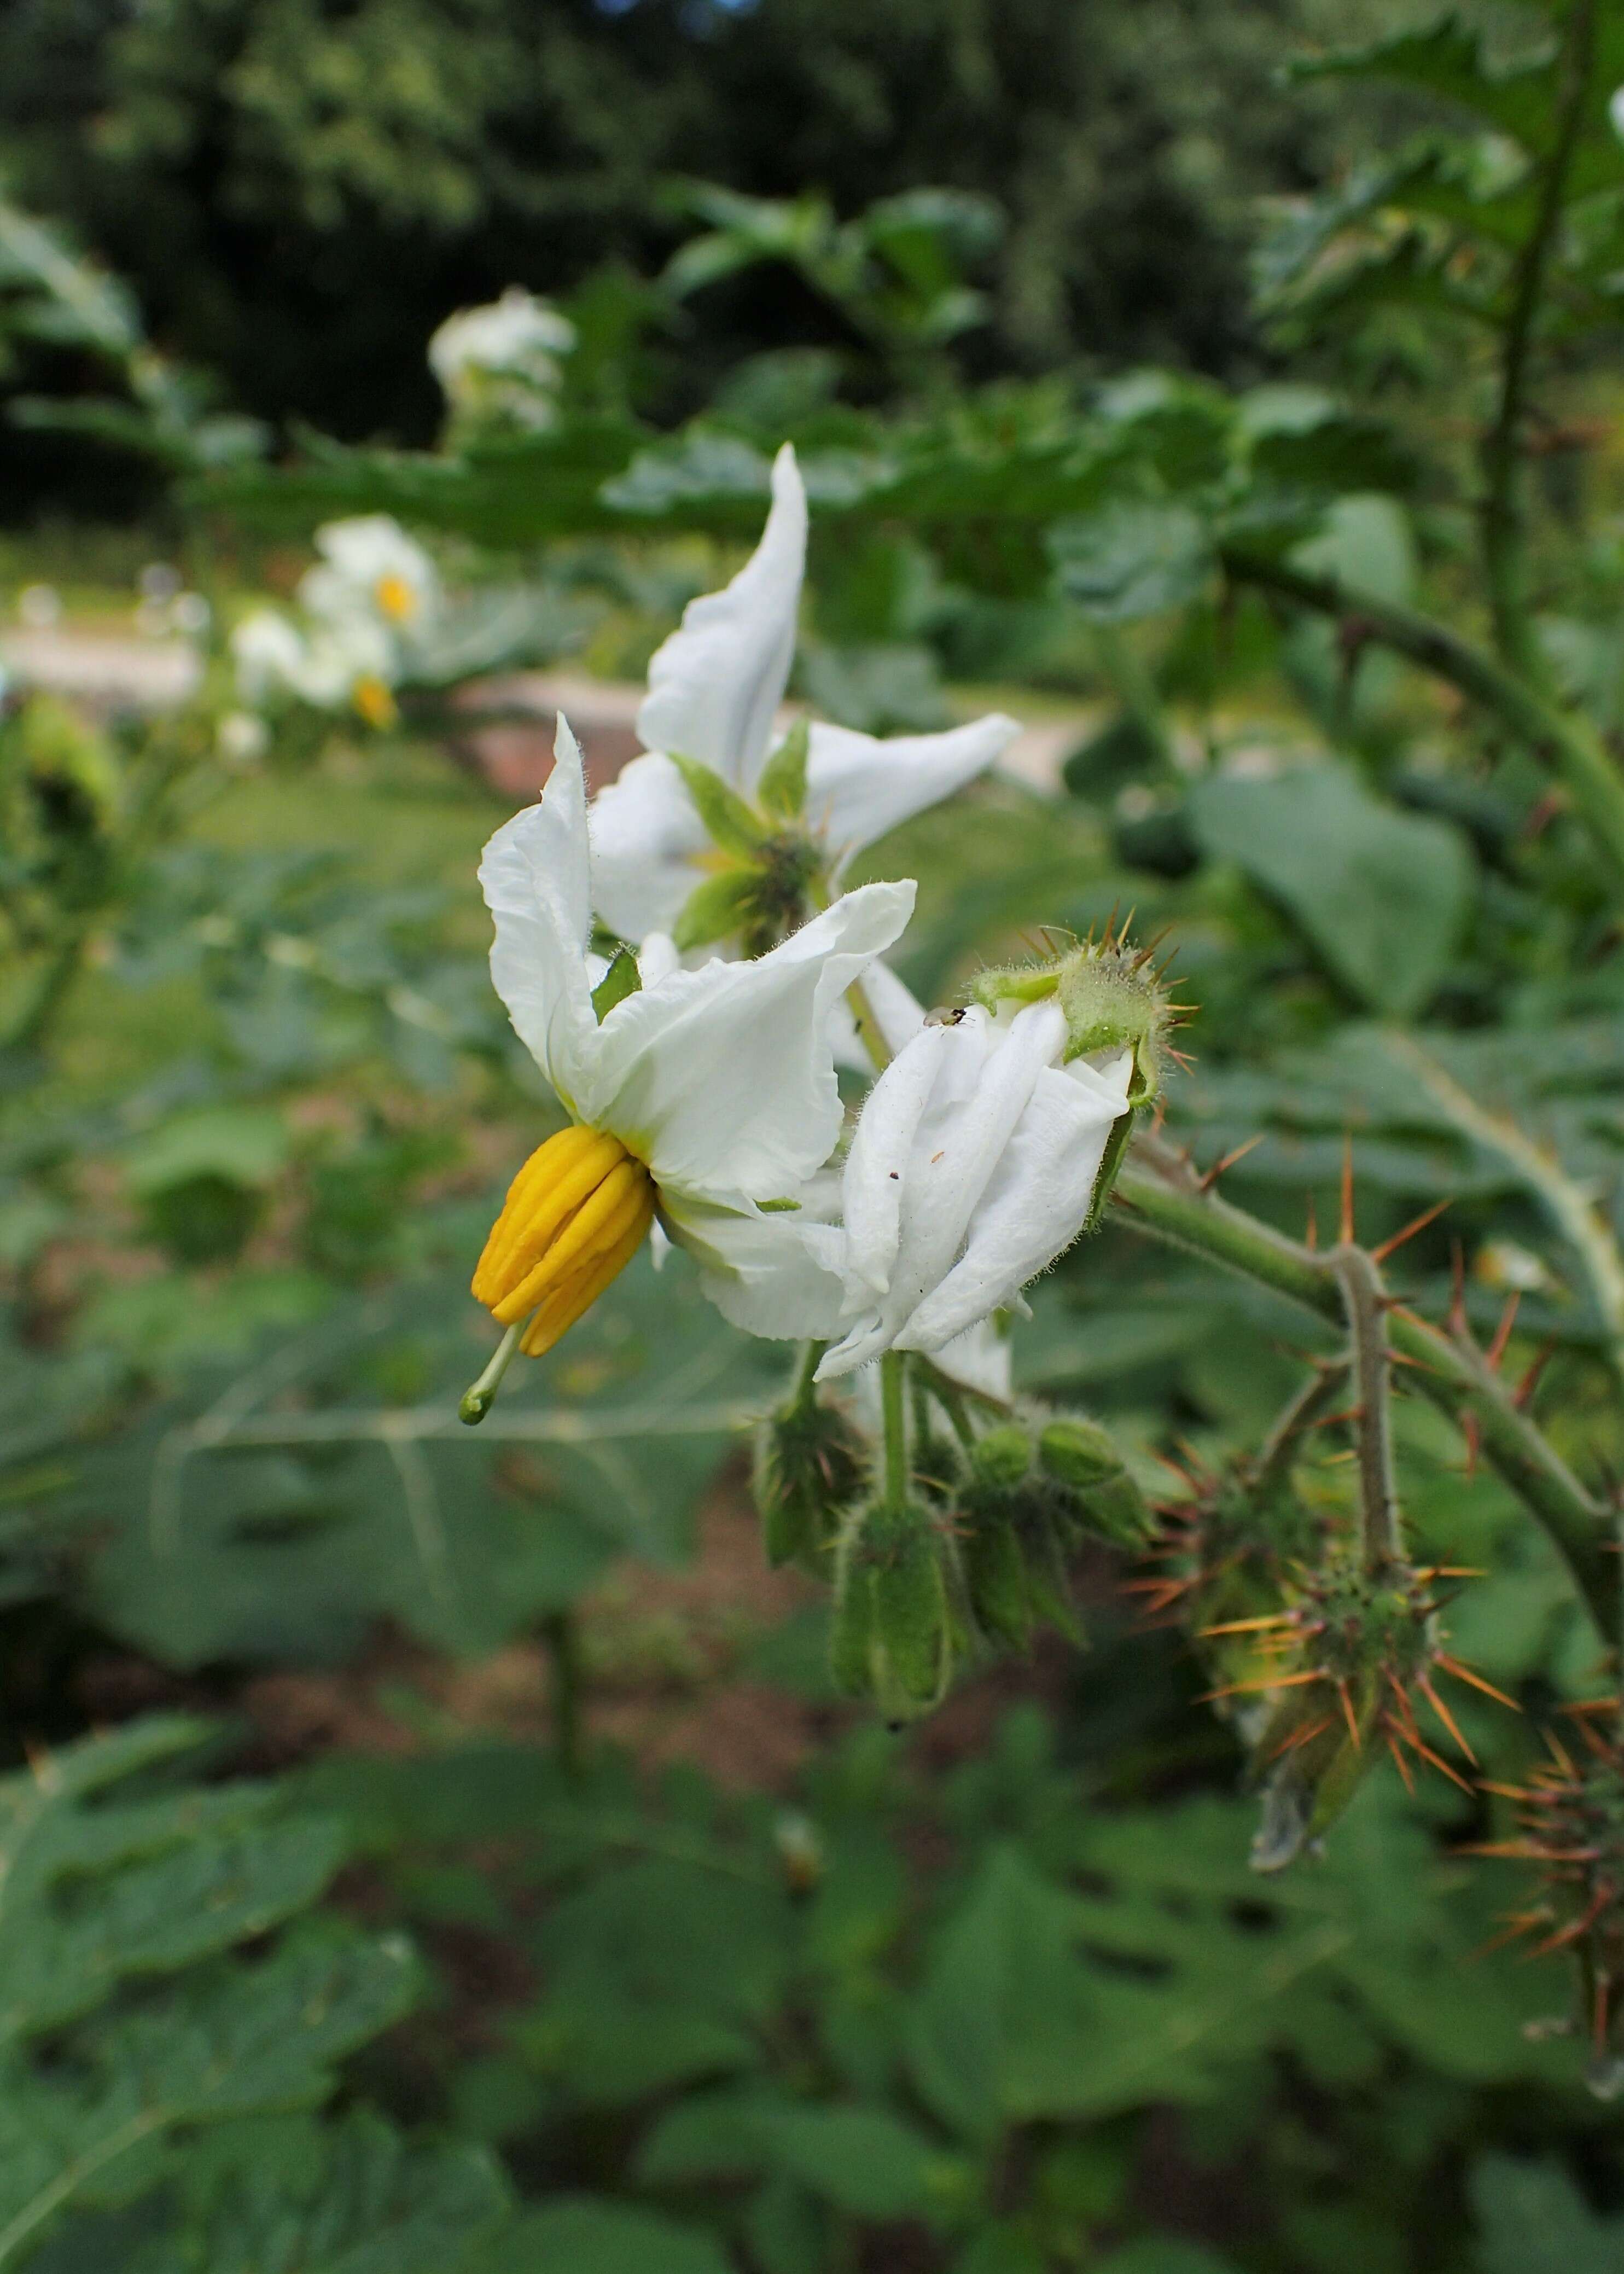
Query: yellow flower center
point(372, 699)
point(395, 595)
point(574, 1217)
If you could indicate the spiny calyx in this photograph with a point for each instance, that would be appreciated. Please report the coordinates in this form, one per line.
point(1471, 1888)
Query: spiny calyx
point(1111, 995)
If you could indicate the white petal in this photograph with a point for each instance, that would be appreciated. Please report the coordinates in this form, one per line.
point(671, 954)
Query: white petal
point(979, 1358)
point(714, 684)
point(657, 959)
point(1034, 1207)
point(535, 879)
point(722, 1079)
point(764, 1273)
point(645, 834)
point(858, 787)
point(985, 1079)
point(880, 1154)
point(894, 1010)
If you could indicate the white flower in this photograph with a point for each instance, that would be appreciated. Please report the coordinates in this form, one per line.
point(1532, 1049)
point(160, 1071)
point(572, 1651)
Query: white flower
point(350, 661)
point(501, 359)
point(973, 1168)
point(370, 570)
point(714, 688)
point(697, 1098)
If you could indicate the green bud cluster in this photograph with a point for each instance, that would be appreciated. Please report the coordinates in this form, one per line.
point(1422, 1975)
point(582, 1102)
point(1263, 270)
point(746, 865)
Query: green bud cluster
point(811, 1461)
point(893, 1635)
point(1032, 1489)
point(765, 864)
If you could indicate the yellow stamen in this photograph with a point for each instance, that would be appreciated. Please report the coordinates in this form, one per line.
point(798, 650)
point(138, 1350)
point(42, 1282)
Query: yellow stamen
point(574, 1216)
point(395, 597)
point(372, 699)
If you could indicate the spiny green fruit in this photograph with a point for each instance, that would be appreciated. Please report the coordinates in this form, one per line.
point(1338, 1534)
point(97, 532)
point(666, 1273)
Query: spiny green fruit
point(810, 1462)
point(1099, 1488)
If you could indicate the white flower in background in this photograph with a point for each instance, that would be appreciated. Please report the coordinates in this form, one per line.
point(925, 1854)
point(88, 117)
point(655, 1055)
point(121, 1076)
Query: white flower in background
point(974, 1166)
point(370, 569)
point(714, 688)
point(351, 663)
point(501, 362)
point(693, 1096)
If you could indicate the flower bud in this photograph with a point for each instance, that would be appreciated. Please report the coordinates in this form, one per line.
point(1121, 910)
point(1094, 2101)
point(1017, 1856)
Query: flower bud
point(994, 1571)
point(1099, 1490)
point(891, 1638)
point(1001, 1458)
point(810, 1462)
point(1112, 999)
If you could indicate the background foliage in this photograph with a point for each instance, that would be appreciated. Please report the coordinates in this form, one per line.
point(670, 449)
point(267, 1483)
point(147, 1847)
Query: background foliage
point(321, 1950)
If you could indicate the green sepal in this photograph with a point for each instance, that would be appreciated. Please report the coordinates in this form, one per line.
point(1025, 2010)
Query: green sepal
point(621, 979)
point(1002, 1457)
point(782, 789)
point(715, 909)
point(1110, 1161)
point(1105, 1498)
point(995, 1573)
point(729, 822)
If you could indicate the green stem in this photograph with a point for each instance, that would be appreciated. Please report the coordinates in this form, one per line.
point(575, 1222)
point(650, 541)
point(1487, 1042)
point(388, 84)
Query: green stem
point(1278, 1450)
point(1561, 739)
point(893, 1402)
point(1504, 520)
point(1360, 1281)
point(1162, 1196)
point(803, 1390)
point(562, 1632)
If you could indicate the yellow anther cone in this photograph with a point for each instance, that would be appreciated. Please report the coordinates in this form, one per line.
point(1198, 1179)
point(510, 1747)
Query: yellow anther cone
point(574, 1216)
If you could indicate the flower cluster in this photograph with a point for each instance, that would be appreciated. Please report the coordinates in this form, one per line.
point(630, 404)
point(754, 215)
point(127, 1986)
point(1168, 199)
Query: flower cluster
point(364, 612)
point(696, 1063)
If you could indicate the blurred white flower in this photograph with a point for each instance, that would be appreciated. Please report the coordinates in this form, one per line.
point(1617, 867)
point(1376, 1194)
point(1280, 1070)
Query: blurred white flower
point(973, 1168)
point(500, 362)
point(714, 688)
point(350, 662)
point(694, 1095)
point(242, 740)
point(370, 569)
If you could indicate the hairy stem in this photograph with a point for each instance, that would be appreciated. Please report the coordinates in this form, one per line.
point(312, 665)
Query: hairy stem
point(1359, 1278)
point(1504, 520)
point(1561, 740)
point(1162, 1195)
point(1279, 1449)
point(893, 1401)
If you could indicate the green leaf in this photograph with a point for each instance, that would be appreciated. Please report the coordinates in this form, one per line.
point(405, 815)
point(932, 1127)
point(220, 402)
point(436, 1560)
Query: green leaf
point(1383, 895)
point(582, 2236)
point(1131, 560)
point(783, 786)
point(243, 1144)
point(729, 822)
point(1531, 2219)
point(621, 979)
point(867, 2161)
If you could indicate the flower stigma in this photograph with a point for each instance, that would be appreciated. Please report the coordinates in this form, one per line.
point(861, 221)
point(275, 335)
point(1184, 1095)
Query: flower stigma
point(574, 1217)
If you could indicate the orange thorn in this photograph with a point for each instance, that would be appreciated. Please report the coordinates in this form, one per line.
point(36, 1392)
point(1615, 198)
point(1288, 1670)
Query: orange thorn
point(1401, 1764)
point(1238, 1153)
point(1390, 1247)
point(1439, 1762)
point(1476, 1681)
point(1457, 1288)
point(1346, 1230)
point(1502, 1333)
point(1250, 1626)
point(1270, 1682)
point(1437, 1704)
point(1349, 1717)
point(1304, 1736)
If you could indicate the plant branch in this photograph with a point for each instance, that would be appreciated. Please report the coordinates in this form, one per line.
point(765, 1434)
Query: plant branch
point(1561, 739)
point(1570, 1205)
point(1162, 1196)
point(1359, 1278)
point(1505, 528)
